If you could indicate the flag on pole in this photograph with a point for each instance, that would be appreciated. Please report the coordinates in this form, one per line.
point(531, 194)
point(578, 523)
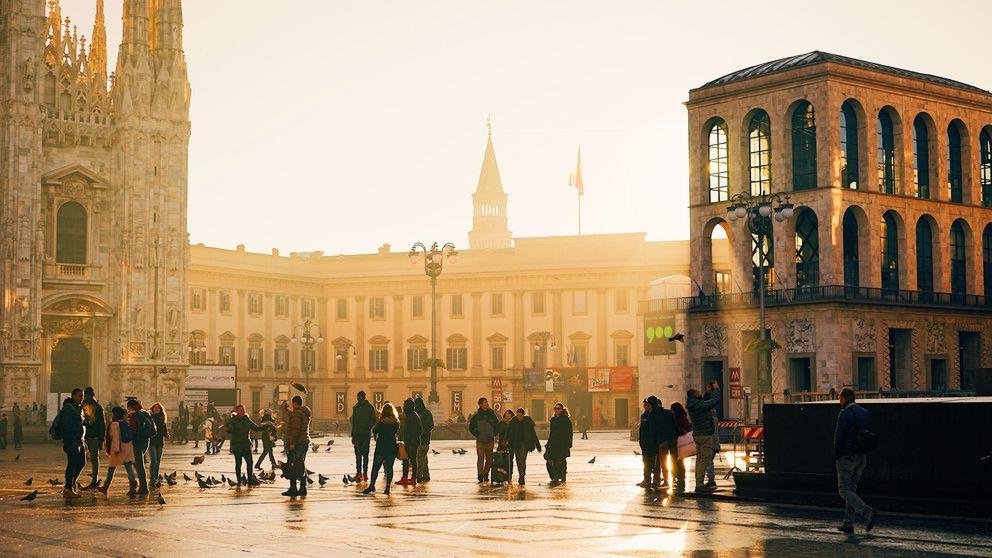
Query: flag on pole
point(575, 179)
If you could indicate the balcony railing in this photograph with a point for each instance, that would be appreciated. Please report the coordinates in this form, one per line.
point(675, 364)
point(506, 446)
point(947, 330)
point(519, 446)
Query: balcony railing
point(71, 272)
point(818, 294)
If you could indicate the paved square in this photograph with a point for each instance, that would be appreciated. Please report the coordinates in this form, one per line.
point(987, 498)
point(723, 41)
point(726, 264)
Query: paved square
point(599, 512)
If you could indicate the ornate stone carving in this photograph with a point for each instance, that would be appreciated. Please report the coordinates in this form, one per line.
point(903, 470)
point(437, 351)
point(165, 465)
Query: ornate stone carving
point(864, 335)
point(4, 342)
point(73, 306)
point(799, 336)
point(714, 340)
point(28, 74)
point(136, 349)
point(936, 338)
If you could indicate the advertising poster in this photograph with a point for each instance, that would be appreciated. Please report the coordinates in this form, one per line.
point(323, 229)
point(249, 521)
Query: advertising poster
point(534, 380)
point(576, 380)
point(621, 379)
point(599, 380)
point(657, 330)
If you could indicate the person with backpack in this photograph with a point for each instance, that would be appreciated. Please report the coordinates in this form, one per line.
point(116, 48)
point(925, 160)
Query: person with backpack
point(411, 430)
point(144, 430)
point(70, 427)
point(120, 451)
point(96, 428)
point(362, 421)
point(427, 421)
point(853, 439)
point(483, 426)
point(156, 445)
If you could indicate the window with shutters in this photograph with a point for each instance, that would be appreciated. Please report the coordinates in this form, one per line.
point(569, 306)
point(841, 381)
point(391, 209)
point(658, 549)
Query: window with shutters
point(417, 307)
point(456, 306)
point(415, 357)
point(621, 353)
point(342, 309)
point(254, 359)
point(197, 300)
point(496, 304)
point(379, 358)
point(282, 306)
point(225, 355)
point(497, 354)
point(377, 308)
point(580, 356)
point(308, 360)
point(457, 358)
point(255, 304)
point(537, 304)
point(308, 308)
point(280, 359)
point(224, 302)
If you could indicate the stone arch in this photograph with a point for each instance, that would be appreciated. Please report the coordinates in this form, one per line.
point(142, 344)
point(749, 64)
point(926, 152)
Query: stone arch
point(806, 227)
point(962, 280)
point(924, 123)
point(894, 250)
point(937, 269)
point(707, 279)
point(715, 174)
point(889, 147)
point(755, 123)
point(853, 171)
point(856, 247)
point(958, 162)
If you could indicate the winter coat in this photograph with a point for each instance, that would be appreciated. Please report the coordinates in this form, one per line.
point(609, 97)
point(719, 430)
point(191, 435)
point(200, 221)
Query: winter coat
point(523, 434)
point(426, 419)
point(559, 444)
point(269, 438)
point(665, 428)
point(240, 427)
point(73, 427)
point(647, 434)
point(385, 432)
point(851, 419)
point(502, 435)
point(3, 427)
point(96, 424)
point(140, 444)
point(480, 416)
point(161, 431)
point(413, 429)
point(362, 419)
point(699, 413)
point(118, 451)
point(298, 426)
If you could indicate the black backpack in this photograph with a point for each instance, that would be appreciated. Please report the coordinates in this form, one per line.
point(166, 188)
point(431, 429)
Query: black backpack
point(55, 430)
point(146, 426)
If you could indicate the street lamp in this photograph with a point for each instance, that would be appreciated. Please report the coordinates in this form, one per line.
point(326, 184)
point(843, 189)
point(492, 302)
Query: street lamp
point(756, 211)
point(197, 350)
point(303, 334)
point(348, 349)
point(433, 259)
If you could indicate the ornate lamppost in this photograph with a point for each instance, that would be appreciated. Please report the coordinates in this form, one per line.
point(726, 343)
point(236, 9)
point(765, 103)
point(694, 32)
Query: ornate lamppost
point(433, 259)
point(547, 342)
point(197, 350)
point(757, 211)
point(304, 335)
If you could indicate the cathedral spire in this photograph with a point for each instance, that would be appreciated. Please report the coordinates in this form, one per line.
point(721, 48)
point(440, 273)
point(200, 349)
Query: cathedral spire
point(489, 223)
point(97, 60)
point(167, 20)
point(135, 42)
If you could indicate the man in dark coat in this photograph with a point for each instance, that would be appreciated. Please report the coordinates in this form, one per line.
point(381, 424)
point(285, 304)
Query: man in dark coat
point(73, 440)
point(427, 423)
point(647, 437)
point(96, 428)
point(667, 436)
point(362, 421)
point(483, 426)
point(851, 460)
point(559, 446)
point(412, 428)
point(297, 444)
point(703, 431)
point(522, 433)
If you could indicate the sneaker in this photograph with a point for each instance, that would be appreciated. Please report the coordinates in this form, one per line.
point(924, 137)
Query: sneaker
point(68, 494)
point(845, 528)
point(370, 490)
point(302, 491)
point(870, 520)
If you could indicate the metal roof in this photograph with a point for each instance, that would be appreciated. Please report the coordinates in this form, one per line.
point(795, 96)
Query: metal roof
point(817, 57)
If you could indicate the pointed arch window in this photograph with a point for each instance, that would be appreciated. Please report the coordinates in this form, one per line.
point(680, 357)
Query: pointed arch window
point(959, 277)
point(759, 133)
point(852, 263)
point(886, 154)
point(849, 146)
point(985, 173)
point(921, 158)
point(718, 169)
point(924, 256)
point(890, 252)
point(954, 169)
point(807, 250)
point(804, 147)
point(987, 262)
point(71, 233)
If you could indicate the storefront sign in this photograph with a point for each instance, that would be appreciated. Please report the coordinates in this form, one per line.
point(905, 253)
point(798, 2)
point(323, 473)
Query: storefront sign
point(534, 380)
point(339, 403)
point(657, 330)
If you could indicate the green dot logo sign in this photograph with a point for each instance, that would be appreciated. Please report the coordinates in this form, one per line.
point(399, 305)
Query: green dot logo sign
point(657, 330)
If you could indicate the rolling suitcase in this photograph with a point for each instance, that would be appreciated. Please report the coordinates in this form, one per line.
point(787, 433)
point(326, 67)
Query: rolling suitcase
point(502, 467)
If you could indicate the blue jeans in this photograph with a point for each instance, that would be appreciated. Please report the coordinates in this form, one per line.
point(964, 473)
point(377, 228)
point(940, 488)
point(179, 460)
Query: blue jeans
point(298, 453)
point(75, 460)
point(139, 467)
point(154, 460)
point(243, 456)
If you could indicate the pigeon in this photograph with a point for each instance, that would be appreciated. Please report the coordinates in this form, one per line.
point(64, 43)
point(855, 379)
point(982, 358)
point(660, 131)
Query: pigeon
point(30, 497)
point(654, 501)
point(197, 475)
point(345, 479)
point(54, 482)
point(328, 450)
point(309, 472)
point(186, 477)
point(197, 460)
point(29, 481)
point(223, 478)
point(352, 479)
point(170, 481)
point(315, 447)
point(323, 480)
point(203, 484)
point(161, 500)
point(680, 337)
point(173, 475)
point(309, 480)
point(18, 458)
point(637, 452)
point(593, 460)
point(330, 442)
point(299, 387)
point(231, 483)
point(435, 452)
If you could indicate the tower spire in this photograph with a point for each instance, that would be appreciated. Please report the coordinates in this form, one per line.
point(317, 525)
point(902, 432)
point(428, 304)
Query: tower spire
point(97, 60)
point(489, 221)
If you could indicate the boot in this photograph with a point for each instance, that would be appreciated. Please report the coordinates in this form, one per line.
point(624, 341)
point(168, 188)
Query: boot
point(292, 489)
point(303, 489)
point(371, 489)
point(133, 491)
point(102, 489)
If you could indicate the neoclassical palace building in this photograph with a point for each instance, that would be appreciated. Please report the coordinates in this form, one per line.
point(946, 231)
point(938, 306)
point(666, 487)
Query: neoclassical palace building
point(524, 321)
point(92, 204)
point(881, 277)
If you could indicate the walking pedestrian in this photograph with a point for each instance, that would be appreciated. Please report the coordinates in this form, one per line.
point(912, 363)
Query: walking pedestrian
point(120, 451)
point(483, 425)
point(3, 431)
point(559, 446)
point(268, 439)
point(240, 426)
point(96, 430)
point(385, 432)
point(411, 430)
point(362, 421)
point(682, 426)
point(156, 445)
point(73, 431)
point(18, 428)
point(522, 439)
point(502, 469)
point(144, 430)
point(584, 424)
point(297, 444)
point(852, 440)
point(703, 431)
point(648, 439)
point(427, 426)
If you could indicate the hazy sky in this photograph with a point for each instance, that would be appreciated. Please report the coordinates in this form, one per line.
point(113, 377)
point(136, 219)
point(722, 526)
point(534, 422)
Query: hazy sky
point(339, 126)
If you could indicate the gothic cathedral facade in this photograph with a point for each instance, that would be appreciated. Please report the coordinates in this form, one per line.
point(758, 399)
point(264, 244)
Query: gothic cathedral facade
point(93, 183)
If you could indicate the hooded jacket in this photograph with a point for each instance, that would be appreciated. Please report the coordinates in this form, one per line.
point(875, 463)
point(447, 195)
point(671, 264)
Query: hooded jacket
point(413, 427)
point(523, 434)
point(559, 444)
point(73, 427)
point(96, 421)
point(487, 415)
point(699, 413)
point(362, 419)
point(426, 420)
point(385, 432)
point(298, 426)
point(239, 428)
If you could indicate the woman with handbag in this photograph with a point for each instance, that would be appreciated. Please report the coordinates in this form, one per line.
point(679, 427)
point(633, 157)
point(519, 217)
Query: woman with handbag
point(385, 433)
point(685, 445)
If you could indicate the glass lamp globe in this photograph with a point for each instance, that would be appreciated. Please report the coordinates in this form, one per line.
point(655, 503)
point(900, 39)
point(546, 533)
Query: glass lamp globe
point(765, 210)
point(741, 212)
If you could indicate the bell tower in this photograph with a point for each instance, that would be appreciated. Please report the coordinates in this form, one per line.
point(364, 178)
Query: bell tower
point(490, 229)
